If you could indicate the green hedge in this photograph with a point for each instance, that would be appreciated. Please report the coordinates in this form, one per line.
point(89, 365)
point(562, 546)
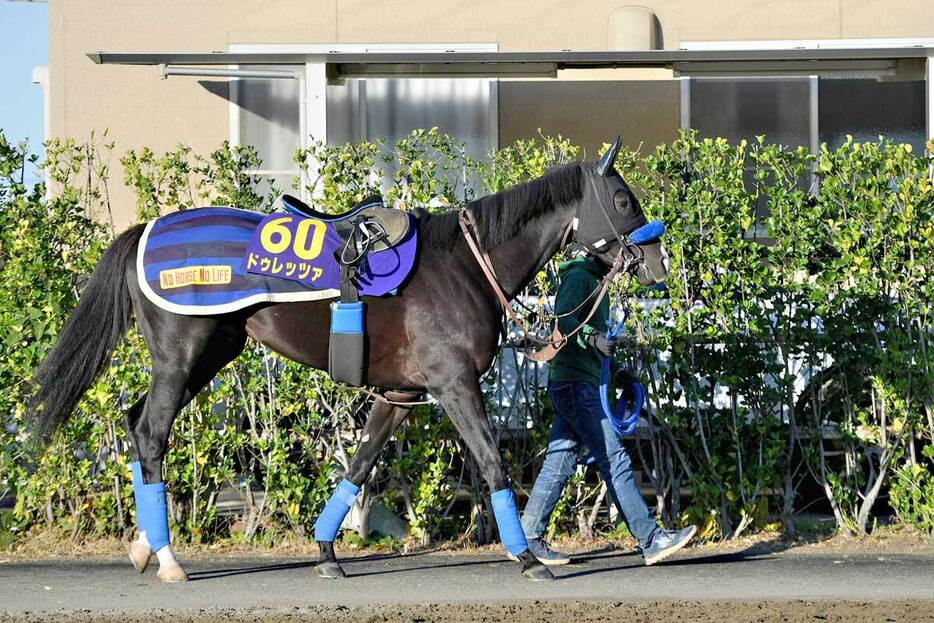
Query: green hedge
point(789, 352)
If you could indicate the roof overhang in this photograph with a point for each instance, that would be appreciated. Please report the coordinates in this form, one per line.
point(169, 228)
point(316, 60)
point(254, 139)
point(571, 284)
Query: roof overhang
point(515, 64)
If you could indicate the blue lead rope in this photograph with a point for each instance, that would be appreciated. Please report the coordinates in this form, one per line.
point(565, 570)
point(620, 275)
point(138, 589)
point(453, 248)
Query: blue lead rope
point(625, 417)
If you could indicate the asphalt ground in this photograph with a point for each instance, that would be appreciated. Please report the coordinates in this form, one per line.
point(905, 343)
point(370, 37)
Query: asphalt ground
point(603, 585)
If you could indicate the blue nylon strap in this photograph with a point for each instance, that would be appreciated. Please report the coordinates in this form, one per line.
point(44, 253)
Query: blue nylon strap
point(346, 317)
point(331, 518)
point(152, 514)
point(507, 520)
point(625, 418)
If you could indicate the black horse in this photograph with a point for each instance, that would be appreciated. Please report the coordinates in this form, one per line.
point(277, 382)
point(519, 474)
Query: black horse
point(438, 335)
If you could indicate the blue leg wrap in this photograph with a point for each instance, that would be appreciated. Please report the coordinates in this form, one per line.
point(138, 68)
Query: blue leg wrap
point(152, 514)
point(331, 518)
point(507, 520)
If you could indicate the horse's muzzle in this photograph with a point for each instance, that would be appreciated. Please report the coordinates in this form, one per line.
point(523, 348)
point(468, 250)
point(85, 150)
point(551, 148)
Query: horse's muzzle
point(649, 269)
point(653, 269)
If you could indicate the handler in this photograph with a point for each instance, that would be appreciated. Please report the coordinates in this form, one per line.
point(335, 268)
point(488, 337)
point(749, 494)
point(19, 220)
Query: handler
point(579, 420)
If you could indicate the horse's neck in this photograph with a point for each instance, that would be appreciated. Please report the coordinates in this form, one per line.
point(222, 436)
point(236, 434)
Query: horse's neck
point(517, 260)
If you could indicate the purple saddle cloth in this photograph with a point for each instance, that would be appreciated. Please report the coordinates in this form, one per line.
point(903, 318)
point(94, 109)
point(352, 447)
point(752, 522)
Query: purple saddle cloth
point(217, 260)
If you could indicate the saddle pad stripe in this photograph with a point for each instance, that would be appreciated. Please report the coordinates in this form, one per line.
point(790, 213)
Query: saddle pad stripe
point(183, 236)
point(211, 298)
point(213, 221)
point(200, 213)
point(194, 249)
point(193, 263)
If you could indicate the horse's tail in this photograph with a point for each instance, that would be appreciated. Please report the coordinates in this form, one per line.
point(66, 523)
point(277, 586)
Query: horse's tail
point(87, 339)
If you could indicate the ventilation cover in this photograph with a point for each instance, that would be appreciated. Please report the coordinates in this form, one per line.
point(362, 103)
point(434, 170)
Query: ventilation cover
point(632, 28)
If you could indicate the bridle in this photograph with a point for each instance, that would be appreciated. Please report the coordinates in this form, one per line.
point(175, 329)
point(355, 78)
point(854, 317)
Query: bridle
point(543, 349)
point(593, 246)
point(548, 348)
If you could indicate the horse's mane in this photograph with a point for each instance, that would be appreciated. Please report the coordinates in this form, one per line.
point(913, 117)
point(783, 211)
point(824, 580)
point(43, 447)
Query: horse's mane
point(500, 216)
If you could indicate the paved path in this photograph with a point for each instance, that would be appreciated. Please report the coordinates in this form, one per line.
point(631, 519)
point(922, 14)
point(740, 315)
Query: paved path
point(242, 582)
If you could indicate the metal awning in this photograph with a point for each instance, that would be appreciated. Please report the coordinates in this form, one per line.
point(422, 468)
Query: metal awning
point(504, 64)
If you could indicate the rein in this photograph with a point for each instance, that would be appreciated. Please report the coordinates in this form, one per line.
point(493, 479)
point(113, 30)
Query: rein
point(556, 341)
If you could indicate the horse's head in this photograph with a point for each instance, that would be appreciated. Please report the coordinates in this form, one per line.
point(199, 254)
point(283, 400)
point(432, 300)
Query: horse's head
point(610, 221)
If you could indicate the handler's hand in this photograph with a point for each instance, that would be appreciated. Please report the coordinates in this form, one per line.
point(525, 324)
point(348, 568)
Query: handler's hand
point(604, 346)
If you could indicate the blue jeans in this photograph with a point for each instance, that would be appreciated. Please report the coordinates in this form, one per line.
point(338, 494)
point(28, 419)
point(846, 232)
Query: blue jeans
point(579, 420)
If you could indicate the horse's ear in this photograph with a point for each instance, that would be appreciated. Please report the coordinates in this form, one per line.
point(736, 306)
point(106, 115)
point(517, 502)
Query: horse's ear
point(605, 164)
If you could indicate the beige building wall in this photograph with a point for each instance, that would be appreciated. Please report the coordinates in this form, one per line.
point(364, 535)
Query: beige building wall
point(140, 109)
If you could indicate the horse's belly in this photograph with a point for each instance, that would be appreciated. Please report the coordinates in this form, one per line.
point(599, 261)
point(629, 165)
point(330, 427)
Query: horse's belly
point(300, 331)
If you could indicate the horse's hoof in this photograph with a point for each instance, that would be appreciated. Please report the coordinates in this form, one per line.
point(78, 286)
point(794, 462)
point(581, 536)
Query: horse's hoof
point(139, 555)
point(329, 570)
point(537, 572)
point(172, 573)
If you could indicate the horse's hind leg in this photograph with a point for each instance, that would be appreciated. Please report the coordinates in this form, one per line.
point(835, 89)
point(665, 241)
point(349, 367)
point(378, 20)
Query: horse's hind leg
point(186, 354)
point(462, 400)
point(382, 420)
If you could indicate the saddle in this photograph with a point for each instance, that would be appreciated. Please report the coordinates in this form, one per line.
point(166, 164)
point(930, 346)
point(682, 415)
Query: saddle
point(384, 227)
point(366, 228)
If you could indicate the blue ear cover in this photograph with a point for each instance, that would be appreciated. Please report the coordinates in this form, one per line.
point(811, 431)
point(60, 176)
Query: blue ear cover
point(649, 231)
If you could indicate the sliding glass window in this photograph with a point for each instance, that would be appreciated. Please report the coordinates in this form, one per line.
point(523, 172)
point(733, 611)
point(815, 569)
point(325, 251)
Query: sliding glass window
point(269, 119)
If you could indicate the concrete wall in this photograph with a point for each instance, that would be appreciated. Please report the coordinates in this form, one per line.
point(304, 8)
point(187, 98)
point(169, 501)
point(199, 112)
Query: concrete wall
point(140, 109)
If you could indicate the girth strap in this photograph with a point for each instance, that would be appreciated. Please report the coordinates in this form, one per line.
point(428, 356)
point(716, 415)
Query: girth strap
point(349, 292)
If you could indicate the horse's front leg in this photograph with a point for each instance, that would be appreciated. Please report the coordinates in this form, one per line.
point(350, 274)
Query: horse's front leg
point(463, 401)
point(382, 420)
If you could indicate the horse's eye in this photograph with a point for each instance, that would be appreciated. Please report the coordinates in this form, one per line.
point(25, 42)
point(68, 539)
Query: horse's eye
point(621, 201)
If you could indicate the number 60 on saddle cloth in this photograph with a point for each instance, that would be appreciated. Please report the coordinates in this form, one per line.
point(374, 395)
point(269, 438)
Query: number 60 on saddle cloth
point(216, 260)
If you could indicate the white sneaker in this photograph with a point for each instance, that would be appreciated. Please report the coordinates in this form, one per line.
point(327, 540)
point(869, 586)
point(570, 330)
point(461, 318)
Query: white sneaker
point(667, 542)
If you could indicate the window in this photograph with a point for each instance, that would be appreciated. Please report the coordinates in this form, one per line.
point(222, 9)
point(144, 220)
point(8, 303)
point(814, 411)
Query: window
point(745, 107)
point(268, 117)
point(738, 108)
point(389, 109)
point(867, 109)
point(590, 112)
point(742, 108)
point(808, 111)
point(267, 113)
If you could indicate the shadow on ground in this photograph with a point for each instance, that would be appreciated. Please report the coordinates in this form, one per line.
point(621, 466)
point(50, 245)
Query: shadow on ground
point(213, 574)
point(611, 559)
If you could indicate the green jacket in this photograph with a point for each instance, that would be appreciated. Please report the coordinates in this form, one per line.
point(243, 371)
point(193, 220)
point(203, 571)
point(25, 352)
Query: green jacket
point(578, 361)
